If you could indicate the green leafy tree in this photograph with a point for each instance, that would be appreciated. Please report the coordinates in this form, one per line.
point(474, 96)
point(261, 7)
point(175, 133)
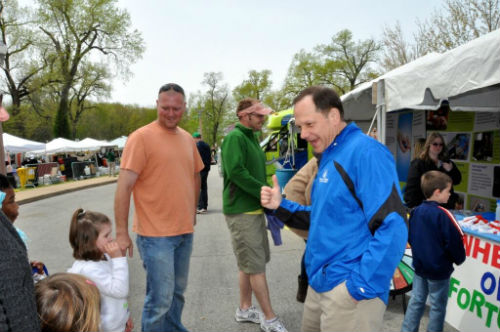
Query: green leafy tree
point(348, 63)
point(278, 100)
point(91, 82)
point(111, 120)
point(79, 30)
point(302, 73)
point(192, 120)
point(257, 85)
point(216, 104)
point(22, 66)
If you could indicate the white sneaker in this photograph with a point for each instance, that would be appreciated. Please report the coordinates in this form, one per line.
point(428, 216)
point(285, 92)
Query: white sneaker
point(275, 326)
point(252, 315)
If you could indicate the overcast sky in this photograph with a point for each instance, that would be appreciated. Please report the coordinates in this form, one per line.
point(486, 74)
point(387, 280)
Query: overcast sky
point(185, 39)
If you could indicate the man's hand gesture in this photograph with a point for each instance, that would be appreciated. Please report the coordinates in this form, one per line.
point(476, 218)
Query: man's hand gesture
point(270, 198)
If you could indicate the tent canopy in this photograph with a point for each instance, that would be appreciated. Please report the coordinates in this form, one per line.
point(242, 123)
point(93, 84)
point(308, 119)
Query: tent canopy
point(91, 144)
point(120, 142)
point(467, 76)
point(60, 145)
point(357, 103)
point(16, 144)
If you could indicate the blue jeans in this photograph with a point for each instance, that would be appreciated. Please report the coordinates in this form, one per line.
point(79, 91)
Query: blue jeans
point(166, 261)
point(438, 294)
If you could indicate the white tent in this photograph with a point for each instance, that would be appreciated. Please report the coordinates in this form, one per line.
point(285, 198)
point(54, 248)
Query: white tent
point(358, 106)
point(468, 77)
point(14, 144)
point(120, 142)
point(91, 144)
point(59, 145)
point(474, 66)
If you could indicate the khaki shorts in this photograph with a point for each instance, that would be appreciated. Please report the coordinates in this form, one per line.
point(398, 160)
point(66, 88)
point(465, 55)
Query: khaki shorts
point(250, 243)
point(336, 310)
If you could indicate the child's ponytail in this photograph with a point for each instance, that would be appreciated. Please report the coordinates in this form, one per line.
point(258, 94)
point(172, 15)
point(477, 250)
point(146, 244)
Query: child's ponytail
point(83, 234)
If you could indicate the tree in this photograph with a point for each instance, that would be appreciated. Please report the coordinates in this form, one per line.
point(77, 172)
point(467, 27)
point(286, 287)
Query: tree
point(108, 121)
point(21, 66)
point(257, 85)
point(91, 81)
point(216, 106)
point(302, 73)
point(342, 65)
point(81, 30)
point(456, 23)
point(277, 100)
point(397, 51)
point(348, 60)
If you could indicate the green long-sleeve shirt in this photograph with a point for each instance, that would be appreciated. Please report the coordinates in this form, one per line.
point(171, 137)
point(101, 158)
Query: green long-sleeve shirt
point(243, 164)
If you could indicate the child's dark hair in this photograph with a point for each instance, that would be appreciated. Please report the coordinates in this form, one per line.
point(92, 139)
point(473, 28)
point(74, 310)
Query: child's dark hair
point(83, 234)
point(4, 182)
point(433, 180)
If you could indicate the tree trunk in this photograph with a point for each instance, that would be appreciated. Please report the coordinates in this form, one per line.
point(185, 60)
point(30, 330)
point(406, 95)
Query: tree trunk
point(61, 126)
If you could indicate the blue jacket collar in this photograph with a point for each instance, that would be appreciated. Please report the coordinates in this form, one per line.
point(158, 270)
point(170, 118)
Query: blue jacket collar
point(342, 136)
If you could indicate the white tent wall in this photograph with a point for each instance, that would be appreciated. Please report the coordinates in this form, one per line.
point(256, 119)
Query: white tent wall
point(458, 72)
point(358, 105)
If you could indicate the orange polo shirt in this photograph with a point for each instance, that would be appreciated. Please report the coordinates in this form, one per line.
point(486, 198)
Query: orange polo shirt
point(164, 196)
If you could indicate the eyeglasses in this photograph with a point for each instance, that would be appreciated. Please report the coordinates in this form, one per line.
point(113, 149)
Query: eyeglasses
point(437, 144)
point(172, 86)
point(260, 116)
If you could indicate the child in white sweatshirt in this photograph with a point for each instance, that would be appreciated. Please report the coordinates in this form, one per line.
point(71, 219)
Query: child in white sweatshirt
point(99, 258)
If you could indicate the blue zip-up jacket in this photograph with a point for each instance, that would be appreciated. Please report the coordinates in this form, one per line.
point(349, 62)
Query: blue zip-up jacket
point(358, 230)
point(436, 241)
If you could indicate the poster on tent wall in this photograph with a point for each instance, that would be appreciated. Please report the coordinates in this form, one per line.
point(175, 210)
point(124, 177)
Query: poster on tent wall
point(473, 143)
point(474, 295)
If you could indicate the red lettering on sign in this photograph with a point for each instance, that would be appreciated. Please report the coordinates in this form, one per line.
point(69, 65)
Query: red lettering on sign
point(468, 239)
point(495, 259)
point(483, 250)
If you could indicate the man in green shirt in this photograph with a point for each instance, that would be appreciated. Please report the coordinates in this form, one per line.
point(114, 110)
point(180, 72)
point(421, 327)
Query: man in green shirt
point(111, 160)
point(244, 174)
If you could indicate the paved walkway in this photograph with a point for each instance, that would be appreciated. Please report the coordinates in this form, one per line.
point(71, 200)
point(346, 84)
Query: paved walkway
point(41, 192)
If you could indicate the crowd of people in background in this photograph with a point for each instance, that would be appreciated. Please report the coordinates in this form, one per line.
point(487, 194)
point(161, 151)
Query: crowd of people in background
point(350, 255)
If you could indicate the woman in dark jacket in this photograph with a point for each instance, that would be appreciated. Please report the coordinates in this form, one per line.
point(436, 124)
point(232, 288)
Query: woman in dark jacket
point(433, 157)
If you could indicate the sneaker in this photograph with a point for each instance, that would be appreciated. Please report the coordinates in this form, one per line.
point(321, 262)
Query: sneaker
point(201, 211)
point(252, 315)
point(275, 326)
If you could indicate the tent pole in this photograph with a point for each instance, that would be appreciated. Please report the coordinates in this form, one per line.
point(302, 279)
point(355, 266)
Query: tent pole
point(375, 116)
point(381, 113)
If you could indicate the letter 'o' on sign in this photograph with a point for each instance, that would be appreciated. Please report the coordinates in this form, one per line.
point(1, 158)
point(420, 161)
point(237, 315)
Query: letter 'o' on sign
point(488, 283)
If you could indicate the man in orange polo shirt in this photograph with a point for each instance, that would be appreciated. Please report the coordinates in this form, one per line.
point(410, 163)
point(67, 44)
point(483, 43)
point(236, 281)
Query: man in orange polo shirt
point(161, 167)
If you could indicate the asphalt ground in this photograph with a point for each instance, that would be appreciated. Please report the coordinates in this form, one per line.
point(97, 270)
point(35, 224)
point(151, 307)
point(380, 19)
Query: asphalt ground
point(212, 293)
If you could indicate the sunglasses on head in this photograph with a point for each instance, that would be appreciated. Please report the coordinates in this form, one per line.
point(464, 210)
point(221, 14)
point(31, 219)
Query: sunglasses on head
point(437, 144)
point(171, 86)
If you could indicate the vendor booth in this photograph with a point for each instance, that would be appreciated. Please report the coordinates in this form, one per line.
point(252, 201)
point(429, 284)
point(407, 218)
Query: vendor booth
point(457, 94)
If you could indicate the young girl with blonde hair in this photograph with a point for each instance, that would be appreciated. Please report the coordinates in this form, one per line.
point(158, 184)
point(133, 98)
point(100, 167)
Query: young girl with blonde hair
point(68, 302)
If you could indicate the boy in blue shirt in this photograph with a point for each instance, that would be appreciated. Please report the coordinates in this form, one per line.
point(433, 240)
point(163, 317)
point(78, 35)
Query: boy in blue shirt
point(437, 242)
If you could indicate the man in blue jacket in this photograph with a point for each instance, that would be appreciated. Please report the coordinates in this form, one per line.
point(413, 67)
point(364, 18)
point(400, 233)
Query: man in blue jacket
point(357, 233)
